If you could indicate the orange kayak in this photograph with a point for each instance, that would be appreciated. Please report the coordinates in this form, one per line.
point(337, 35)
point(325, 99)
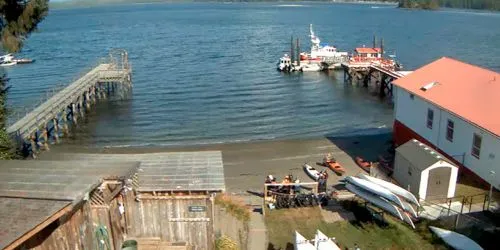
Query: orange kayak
point(335, 167)
point(365, 165)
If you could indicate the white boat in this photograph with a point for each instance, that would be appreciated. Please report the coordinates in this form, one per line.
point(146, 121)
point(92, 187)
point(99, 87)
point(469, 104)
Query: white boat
point(408, 220)
point(322, 242)
point(409, 208)
point(285, 64)
point(393, 188)
point(301, 243)
point(312, 172)
point(455, 240)
point(324, 53)
point(375, 189)
point(375, 200)
point(312, 67)
point(7, 60)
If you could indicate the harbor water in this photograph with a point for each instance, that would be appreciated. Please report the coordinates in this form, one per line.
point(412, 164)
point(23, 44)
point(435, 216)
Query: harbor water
point(205, 73)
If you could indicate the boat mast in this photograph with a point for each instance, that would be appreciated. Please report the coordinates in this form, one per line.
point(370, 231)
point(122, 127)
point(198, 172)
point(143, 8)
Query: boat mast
point(298, 52)
point(292, 54)
point(381, 47)
point(374, 41)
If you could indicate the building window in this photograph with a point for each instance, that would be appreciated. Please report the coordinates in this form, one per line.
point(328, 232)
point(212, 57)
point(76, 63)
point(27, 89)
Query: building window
point(430, 118)
point(449, 130)
point(476, 145)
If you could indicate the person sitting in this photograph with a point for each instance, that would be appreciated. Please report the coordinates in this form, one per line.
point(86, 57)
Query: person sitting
point(297, 187)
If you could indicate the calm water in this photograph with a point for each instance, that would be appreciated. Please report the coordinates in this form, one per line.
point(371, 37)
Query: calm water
point(205, 73)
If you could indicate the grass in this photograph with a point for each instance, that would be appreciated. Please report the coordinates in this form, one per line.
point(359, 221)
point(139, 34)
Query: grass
point(234, 206)
point(281, 225)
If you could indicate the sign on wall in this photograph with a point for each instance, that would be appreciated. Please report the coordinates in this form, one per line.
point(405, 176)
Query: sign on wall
point(197, 208)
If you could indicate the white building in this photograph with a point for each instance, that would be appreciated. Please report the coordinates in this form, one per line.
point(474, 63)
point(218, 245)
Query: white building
point(455, 108)
point(424, 172)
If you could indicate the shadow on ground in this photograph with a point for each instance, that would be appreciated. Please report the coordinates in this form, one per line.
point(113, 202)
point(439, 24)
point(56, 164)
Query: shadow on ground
point(366, 146)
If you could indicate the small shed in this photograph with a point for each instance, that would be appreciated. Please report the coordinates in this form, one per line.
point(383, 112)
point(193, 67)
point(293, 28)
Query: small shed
point(425, 172)
point(174, 196)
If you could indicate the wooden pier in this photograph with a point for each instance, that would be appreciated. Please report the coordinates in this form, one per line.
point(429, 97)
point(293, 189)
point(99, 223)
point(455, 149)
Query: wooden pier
point(367, 71)
point(51, 119)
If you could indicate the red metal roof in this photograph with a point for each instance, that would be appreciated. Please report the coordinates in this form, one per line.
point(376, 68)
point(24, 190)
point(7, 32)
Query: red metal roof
point(468, 91)
point(367, 50)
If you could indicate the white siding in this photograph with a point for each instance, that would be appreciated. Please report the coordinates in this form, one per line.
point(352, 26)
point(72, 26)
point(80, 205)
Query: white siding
point(413, 113)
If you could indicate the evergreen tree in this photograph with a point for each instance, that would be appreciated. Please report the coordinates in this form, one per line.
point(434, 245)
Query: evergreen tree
point(17, 20)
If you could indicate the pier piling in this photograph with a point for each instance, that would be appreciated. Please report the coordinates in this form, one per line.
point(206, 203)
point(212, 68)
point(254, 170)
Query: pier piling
point(40, 126)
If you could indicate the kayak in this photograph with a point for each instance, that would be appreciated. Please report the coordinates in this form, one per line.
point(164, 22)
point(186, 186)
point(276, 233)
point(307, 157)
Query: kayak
point(455, 240)
point(408, 220)
point(375, 200)
point(322, 242)
point(335, 167)
point(392, 187)
point(301, 243)
point(375, 189)
point(365, 165)
point(312, 172)
point(409, 208)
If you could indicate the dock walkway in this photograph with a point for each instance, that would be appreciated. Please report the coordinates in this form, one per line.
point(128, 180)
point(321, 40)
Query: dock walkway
point(37, 128)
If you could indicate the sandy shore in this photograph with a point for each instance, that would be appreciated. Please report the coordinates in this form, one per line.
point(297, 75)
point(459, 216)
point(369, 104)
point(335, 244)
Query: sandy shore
point(247, 164)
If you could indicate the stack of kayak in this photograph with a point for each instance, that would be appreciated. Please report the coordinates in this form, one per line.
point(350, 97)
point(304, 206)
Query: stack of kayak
point(385, 195)
point(320, 242)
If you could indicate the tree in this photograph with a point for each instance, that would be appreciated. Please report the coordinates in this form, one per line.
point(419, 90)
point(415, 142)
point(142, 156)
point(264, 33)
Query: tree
point(17, 20)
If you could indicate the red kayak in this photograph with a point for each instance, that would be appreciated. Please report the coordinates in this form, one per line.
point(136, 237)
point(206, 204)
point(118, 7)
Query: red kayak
point(335, 167)
point(365, 165)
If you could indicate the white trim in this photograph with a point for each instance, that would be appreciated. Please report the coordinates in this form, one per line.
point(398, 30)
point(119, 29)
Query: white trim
point(424, 179)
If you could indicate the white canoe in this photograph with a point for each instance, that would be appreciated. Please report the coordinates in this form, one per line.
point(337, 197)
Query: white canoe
point(312, 172)
point(375, 189)
point(375, 200)
point(408, 220)
point(322, 242)
point(409, 208)
point(393, 188)
point(455, 240)
point(301, 243)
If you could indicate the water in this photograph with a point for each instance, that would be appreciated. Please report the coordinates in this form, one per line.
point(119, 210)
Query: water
point(205, 73)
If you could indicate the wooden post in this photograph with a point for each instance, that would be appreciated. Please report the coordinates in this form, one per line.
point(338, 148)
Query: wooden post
point(264, 201)
point(55, 129)
point(73, 111)
point(45, 135)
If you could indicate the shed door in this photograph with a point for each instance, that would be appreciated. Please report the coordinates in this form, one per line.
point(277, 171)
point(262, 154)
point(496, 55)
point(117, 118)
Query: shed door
point(439, 181)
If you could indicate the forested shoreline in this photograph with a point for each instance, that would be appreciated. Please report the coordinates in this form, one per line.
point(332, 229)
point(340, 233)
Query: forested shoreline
point(459, 4)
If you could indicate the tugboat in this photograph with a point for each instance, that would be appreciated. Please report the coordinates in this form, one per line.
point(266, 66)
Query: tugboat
point(285, 64)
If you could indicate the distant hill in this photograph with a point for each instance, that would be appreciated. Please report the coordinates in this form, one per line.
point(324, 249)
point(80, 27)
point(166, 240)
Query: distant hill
point(461, 4)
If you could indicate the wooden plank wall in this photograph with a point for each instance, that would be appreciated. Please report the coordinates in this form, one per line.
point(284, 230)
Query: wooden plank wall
point(73, 231)
point(170, 219)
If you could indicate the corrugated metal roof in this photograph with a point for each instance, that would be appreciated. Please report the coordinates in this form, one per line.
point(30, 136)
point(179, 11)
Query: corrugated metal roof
point(58, 180)
point(420, 155)
point(19, 215)
point(183, 171)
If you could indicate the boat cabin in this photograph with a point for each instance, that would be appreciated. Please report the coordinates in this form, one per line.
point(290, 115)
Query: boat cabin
point(285, 60)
